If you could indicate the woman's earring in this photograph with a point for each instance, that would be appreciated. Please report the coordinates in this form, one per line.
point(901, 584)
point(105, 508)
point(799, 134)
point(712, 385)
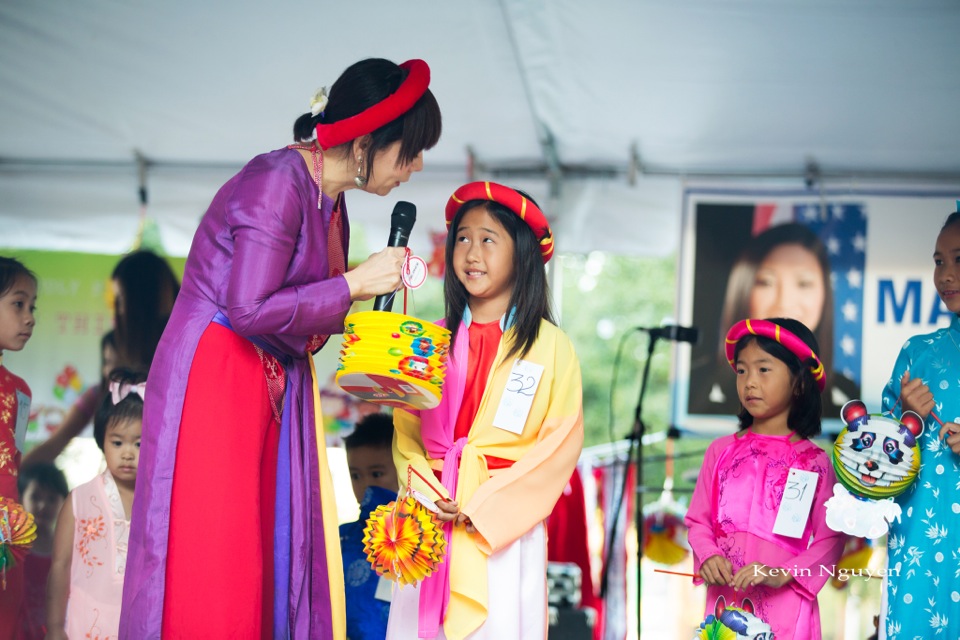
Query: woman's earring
point(359, 180)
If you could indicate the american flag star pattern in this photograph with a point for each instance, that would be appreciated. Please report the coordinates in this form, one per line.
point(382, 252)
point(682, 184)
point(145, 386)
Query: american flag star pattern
point(843, 229)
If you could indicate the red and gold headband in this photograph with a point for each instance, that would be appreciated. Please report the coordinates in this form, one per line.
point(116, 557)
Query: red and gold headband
point(774, 331)
point(387, 110)
point(511, 199)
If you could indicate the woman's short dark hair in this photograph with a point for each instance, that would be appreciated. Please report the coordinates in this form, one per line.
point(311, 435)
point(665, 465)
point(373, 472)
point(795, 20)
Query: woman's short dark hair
point(530, 300)
point(806, 410)
point(10, 270)
point(364, 84)
point(148, 287)
point(736, 304)
point(130, 407)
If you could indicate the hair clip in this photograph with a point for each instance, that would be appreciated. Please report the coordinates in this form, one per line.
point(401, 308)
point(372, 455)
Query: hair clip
point(319, 102)
point(120, 390)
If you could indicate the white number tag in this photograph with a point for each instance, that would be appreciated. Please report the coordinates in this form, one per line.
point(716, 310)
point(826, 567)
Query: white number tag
point(414, 272)
point(23, 417)
point(518, 396)
point(795, 504)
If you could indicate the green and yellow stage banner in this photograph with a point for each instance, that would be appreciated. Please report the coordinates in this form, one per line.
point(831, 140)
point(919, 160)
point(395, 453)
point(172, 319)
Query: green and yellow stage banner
point(74, 310)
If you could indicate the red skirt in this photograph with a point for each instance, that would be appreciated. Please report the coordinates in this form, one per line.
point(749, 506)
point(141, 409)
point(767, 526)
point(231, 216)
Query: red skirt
point(10, 602)
point(219, 580)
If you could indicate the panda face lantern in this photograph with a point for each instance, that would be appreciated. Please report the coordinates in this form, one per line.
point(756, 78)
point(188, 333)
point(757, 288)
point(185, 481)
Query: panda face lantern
point(877, 456)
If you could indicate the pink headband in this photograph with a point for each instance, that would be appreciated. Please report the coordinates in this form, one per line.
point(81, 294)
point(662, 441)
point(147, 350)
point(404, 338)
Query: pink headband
point(119, 391)
point(387, 110)
point(774, 331)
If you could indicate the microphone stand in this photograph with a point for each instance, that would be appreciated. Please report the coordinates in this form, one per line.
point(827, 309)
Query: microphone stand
point(635, 437)
point(639, 430)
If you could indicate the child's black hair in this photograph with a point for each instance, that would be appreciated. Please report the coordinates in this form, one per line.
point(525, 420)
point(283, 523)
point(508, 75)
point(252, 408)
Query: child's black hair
point(130, 406)
point(530, 300)
point(45, 474)
point(806, 409)
point(373, 430)
point(952, 219)
point(10, 270)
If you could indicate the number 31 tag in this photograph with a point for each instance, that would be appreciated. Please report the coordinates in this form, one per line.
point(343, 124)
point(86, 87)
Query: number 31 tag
point(795, 504)
point(518, 396)
point(23, 418)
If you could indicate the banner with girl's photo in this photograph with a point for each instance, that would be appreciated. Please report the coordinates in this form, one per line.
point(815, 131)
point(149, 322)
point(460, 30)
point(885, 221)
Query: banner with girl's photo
point(855, 267)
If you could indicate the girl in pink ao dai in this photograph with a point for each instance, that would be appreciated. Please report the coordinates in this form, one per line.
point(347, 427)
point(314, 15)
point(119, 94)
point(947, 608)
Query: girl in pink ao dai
point(739, 549)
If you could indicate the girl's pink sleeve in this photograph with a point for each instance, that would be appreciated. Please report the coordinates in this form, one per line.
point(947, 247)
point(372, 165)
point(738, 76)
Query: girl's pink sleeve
point(408, 450)
point(700, 518)
point(823, 553)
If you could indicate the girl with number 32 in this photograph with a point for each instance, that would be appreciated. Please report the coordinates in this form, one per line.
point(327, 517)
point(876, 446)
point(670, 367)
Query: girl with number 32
point(507, 433)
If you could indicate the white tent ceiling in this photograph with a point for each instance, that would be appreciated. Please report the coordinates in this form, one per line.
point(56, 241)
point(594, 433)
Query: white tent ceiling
point(583, 92)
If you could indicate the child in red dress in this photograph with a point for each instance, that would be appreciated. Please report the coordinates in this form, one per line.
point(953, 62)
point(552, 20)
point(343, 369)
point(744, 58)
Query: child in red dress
point(18, 299)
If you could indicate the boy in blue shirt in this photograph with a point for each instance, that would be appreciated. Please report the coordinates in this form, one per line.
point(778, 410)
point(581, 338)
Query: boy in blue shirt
point(374, 478)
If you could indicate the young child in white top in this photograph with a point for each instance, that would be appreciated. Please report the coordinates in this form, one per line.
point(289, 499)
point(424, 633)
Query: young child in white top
point(85, 587)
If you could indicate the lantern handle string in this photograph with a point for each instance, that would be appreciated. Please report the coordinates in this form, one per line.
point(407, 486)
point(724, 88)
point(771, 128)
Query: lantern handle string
point(932, 413)
point(406, 268)
point(677, 573)
point(6, 537)
point(411, 470)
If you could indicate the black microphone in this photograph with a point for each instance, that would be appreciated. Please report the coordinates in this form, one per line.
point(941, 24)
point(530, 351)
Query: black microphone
point(673, 332)
point(401, 223)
